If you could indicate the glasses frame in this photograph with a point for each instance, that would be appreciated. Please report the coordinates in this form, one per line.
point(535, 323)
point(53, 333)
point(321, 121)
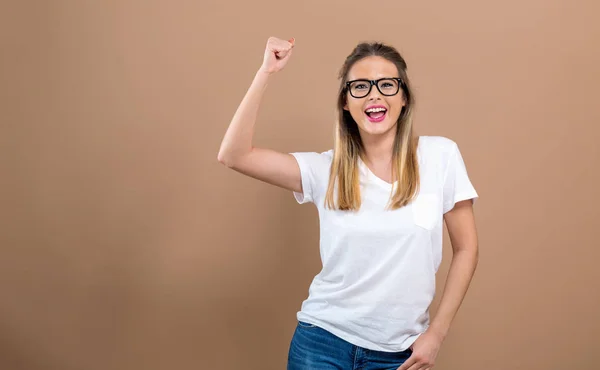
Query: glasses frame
point(376, 83)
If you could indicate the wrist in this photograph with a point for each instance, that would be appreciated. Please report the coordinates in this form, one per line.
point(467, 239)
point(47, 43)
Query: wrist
point(438, 331)
point(261, 79)
point(264, 73)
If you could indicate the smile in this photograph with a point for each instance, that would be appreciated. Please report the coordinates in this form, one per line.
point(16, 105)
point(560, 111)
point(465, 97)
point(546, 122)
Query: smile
point(376, 114)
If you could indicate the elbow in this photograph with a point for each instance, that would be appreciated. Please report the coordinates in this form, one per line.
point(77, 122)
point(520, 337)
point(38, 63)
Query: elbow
point(227, 159)
point(230, 159)
point(224, 160)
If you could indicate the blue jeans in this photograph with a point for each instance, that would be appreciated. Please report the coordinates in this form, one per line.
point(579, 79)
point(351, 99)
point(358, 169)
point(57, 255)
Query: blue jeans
point(314, 348)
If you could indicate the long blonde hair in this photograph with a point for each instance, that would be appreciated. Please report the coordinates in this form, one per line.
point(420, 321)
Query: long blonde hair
point(348, 147)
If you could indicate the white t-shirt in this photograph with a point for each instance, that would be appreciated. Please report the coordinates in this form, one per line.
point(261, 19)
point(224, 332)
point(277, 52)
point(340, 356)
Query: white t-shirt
point(378, 275)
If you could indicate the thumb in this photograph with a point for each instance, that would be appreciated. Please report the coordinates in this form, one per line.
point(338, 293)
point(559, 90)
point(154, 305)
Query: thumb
point(283, 53)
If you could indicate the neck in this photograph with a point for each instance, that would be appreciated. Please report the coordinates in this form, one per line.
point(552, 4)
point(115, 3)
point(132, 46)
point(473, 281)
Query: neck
point(378, 149)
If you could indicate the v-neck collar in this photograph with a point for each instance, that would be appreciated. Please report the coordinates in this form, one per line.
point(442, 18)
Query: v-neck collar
point(374, 177)
point(378, 179)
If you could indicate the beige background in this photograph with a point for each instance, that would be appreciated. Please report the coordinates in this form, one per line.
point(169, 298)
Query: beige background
point(126, 245)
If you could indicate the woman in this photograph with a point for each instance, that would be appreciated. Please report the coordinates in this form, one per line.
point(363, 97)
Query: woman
point(382, 198)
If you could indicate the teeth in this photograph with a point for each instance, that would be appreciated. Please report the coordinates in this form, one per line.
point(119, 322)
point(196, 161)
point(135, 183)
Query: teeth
point(370, 110)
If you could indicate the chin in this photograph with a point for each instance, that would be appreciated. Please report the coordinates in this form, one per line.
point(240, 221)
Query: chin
point(377, 128)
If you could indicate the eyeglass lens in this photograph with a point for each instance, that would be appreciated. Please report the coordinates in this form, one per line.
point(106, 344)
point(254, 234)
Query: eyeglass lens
point(362, 88)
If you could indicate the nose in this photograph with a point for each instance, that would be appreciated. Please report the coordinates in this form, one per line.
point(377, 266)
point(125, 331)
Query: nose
point(374, 93)
point(375, 96)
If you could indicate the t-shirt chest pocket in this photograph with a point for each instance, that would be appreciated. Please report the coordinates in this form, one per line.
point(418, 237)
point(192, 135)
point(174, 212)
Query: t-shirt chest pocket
point(426, 210)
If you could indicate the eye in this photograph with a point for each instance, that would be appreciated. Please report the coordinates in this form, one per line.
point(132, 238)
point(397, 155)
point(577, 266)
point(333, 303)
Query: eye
point(360, 86)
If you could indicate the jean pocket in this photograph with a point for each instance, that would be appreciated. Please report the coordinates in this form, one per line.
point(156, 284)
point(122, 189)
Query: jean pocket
point(425, 210)
point(305, 324)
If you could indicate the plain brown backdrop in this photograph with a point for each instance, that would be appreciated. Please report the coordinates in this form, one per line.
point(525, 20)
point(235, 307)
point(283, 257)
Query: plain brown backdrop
point(126, 245)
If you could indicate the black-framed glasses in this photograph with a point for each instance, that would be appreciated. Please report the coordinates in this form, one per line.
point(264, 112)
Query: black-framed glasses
point(388, 86)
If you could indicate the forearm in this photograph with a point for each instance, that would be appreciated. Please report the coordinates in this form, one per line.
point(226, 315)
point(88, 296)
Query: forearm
point(238, 138)
point(459, 277)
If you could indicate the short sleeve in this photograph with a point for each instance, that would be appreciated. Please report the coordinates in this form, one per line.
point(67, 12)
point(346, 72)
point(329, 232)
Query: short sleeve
point(457, 185)
point(314, 171)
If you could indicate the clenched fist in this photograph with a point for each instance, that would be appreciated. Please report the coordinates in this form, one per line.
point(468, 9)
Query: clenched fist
point(277, 54)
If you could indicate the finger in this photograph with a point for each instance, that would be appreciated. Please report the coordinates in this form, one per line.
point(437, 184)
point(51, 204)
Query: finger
point(283, 53)
point(416, 366)
point(423, 367)
point(284, 48)
point(407, 365)
point(278, 44)
point(285, 45)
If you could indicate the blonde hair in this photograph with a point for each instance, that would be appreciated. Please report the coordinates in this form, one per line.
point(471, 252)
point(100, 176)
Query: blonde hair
point(348, 147)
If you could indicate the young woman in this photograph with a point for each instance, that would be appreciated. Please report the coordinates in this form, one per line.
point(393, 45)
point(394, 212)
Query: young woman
point(382, 197)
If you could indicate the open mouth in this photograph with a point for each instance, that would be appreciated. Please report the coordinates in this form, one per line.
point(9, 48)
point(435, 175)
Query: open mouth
point(376, 114)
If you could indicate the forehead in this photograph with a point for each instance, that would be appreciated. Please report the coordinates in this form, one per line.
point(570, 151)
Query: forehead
point(372, 68)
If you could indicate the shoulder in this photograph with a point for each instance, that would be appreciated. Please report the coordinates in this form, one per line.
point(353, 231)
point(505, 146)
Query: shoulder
point(437, 143)
point(437, 146)
point(326, 156)
point(316, 161)
point(315, 157)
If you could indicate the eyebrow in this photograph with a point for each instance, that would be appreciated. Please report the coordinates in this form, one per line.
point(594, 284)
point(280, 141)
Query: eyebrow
point(372, 79)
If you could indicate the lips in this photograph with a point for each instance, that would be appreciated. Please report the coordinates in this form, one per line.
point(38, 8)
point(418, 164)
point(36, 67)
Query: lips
point(376, 113)
point(378, 118)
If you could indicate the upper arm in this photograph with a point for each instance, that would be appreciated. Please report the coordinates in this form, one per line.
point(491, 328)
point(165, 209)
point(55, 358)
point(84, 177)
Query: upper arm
point(457, 185)
point(460, 222)
point(272, 167)
point(459, 197)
